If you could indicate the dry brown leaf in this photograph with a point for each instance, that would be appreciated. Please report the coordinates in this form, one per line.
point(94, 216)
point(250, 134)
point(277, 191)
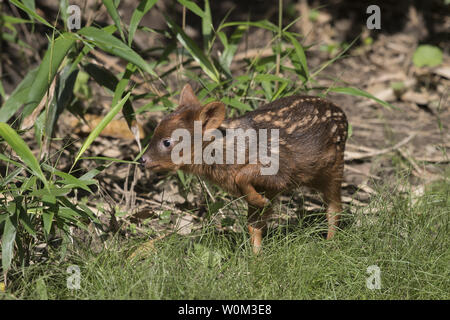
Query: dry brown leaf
point(184, 224)
point(382, 92)
point(443, 71)
point(116, 128)
point(416, 97)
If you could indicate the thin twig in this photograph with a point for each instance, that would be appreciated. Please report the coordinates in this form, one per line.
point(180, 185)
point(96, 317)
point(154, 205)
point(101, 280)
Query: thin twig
point(167, 207)
point(349, 168)
point(202, 183)
point(419, 170)
point(350, 156)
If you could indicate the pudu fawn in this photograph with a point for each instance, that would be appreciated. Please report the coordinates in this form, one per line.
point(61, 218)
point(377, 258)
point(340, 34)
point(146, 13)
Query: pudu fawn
point(310, 139)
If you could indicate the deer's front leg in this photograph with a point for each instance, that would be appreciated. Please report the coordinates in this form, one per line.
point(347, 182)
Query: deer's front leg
point(258, 206)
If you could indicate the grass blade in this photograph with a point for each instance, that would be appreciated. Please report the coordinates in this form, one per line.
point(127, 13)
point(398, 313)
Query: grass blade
point(361, 93)
point(110, 159)
point(94, 134)
point(329, 62)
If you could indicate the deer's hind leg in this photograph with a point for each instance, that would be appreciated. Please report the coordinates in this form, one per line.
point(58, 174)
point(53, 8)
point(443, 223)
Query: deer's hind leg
point(332, 196)
point(329, 182)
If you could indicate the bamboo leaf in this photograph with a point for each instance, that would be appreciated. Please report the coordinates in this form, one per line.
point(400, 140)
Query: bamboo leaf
point(63, 6)
point(13, 20)
point(300, 55)
point(92, 173)
point(112, 10)
point(48, 220)
point(192, 6)
point(56, 52)
point(6, 159)
point(22, 150)
point(198, 55)
point(265, 24)
point(107, 79)
point(53, 191)
point(111, 44)
point(207, 26)
point(61, 100)
point(31, 12)
point(230, 46)
point(102, 76)
point(18, 98)
point(9, 235)
point(141, 10)
point(127, 110)
point(236, 104)
point(6, 180)
point(25, 221)
point(69, 180)
point(269, 78)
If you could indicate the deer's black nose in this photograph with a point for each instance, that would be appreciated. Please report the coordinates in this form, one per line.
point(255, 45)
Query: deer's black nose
point(143, 160)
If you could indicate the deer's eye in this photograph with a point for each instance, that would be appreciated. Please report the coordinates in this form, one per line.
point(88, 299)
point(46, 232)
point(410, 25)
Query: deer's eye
point(167, 143)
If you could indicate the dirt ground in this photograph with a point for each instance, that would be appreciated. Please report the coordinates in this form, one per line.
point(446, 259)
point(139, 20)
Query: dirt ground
point(415, 135)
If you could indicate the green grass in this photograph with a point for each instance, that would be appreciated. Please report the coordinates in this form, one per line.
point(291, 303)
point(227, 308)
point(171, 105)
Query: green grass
point(406, 238)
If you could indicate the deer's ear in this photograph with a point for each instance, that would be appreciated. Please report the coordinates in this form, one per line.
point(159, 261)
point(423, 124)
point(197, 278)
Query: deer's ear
point(188, 98)
point(212, 115)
